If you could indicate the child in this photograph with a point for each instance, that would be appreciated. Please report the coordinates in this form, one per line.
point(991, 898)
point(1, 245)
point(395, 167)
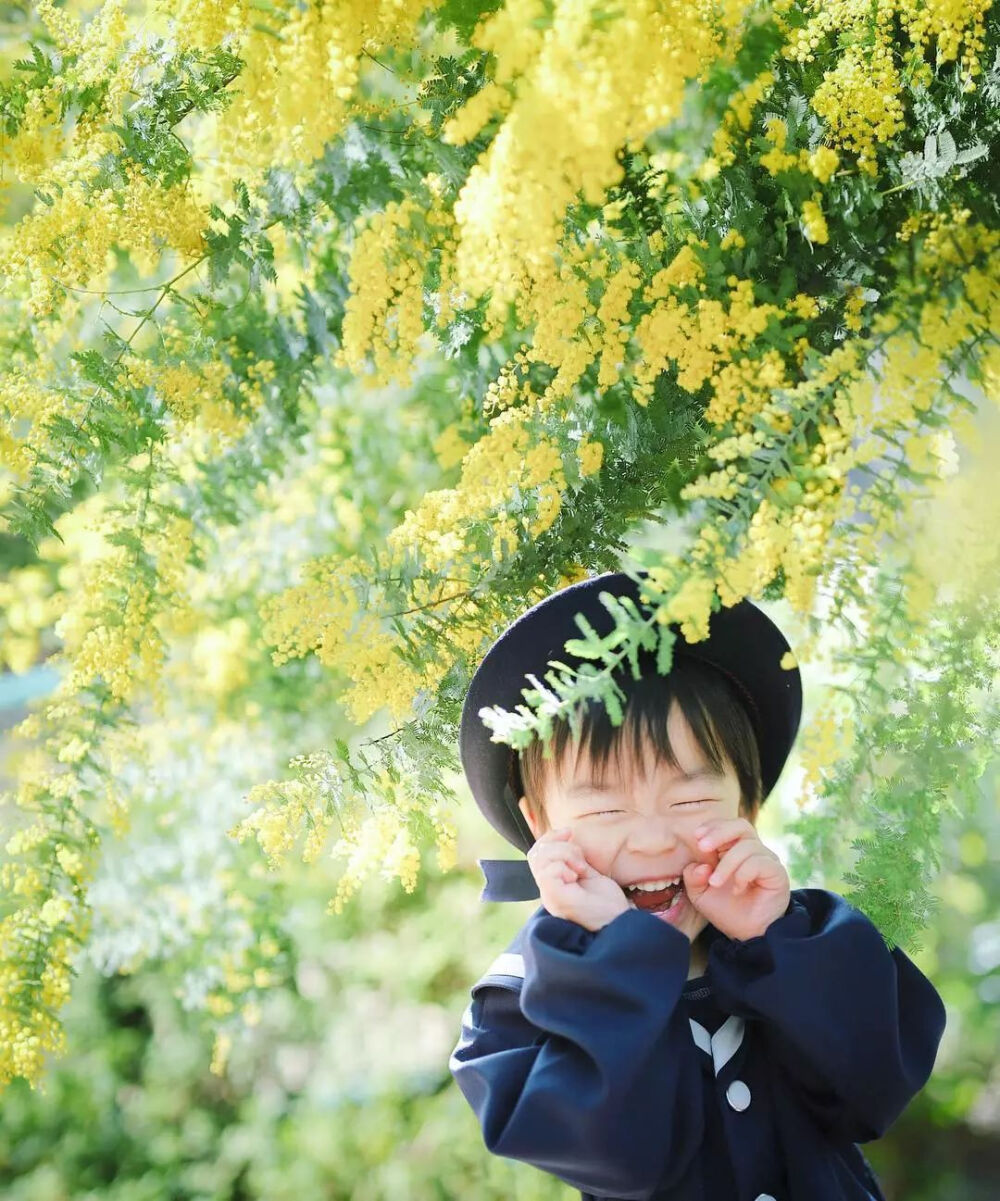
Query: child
point(722, 1037)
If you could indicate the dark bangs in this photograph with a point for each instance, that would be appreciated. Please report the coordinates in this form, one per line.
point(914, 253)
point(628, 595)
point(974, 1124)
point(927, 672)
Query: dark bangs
point(709, 700)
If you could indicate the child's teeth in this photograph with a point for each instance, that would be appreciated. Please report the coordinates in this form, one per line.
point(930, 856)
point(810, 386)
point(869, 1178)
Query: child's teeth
point(655, 886)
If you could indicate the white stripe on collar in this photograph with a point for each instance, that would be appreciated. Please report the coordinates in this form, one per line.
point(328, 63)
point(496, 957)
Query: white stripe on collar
point(508, 963)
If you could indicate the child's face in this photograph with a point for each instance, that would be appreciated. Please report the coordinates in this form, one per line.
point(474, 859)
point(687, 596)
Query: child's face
point(641, 825)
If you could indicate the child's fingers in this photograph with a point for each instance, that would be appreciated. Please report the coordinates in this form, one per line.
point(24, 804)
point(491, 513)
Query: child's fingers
point(556, 855)
point(570, 855)
point(567, 849)
point(563, 872)
point(696, 878)
point(577, 868)
point(553, 844)
point(724, 832)
point(730, 860)
point(757, 867)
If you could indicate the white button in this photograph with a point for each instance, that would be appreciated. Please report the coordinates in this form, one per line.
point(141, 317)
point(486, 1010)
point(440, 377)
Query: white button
point(738, 1096)
point(763, 1197)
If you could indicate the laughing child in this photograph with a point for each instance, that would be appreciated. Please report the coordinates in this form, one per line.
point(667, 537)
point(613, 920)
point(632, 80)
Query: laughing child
point(675, 1021)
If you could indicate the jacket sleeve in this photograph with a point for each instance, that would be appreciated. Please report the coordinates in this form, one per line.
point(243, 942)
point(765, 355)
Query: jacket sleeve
point(854, 1027)
point(589, 1071)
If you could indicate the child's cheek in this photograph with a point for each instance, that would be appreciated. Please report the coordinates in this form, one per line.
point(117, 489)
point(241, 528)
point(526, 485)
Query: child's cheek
point(600, 857)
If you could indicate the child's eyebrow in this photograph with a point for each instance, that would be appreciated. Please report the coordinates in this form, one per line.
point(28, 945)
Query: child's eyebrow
point(702, 773)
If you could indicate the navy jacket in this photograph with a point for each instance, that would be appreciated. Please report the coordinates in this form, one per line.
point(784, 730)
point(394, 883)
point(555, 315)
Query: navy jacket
point(591, 1055)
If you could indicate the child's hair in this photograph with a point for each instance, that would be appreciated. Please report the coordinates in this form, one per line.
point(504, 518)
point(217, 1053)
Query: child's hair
point(709, 701)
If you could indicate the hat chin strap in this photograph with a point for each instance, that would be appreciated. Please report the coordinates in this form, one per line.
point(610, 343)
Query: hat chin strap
point(508, 880)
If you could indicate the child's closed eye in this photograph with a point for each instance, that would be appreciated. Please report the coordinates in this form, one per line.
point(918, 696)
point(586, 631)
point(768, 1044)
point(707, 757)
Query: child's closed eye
point(677, 805)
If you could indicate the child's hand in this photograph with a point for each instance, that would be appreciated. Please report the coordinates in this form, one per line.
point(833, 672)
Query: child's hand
point(751, 886)
point(569, 886)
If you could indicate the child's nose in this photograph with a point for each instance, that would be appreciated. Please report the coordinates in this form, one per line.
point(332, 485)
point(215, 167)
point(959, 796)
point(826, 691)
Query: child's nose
point(652, 833)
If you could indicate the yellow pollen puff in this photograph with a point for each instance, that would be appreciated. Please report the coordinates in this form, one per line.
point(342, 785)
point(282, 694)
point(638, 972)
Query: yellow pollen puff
point(823, 162)
point(590, 454)
point(813, 221)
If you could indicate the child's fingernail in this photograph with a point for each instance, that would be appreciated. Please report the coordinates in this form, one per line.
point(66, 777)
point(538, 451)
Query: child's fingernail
point(713, 878)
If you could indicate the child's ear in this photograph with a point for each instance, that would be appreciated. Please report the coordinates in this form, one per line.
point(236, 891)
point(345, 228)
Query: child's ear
point(522, 804)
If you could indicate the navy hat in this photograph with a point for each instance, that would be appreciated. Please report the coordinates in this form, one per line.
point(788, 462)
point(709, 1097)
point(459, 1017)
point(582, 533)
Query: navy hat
point(743, 643)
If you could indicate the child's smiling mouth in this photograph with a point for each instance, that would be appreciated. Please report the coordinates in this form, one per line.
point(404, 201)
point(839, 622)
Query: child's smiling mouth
point(654, 900)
